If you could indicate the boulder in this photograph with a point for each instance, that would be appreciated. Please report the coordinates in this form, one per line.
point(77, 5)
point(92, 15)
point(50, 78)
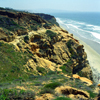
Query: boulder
point(76, 76)
point(72, 92)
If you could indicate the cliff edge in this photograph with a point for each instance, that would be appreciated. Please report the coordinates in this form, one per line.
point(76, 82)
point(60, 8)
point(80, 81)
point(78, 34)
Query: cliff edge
point(34, 44)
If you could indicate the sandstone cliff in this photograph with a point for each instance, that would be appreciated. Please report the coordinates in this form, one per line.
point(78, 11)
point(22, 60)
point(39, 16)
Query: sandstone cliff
point(50, 45)
point(47, 17)
point(42, 57)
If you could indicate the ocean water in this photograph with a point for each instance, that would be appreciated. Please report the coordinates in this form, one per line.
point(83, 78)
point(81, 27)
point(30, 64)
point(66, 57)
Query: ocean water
point(85, 24)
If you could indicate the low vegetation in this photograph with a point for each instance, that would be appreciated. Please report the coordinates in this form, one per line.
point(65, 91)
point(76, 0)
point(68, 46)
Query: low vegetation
point(41, 70)
point(92, 95)
point(46, 90)
point(66, 68)
point(52, 85)
point(62, 98)
point(11, 63)
point(51, 34)
point(13, 94)
point(9, 24)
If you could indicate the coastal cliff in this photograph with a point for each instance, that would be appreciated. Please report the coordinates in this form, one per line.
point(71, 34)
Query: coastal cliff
point(35, 45)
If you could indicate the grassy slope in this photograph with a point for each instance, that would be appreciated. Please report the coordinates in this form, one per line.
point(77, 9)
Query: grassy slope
point(11, 63)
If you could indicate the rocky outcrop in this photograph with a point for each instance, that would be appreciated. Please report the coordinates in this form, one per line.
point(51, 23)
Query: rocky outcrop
point(52, 52)
point(89, 82)
point(18, 23)
point(22, 15)
point(46, 42)
point(47, 17)
point(72, 92)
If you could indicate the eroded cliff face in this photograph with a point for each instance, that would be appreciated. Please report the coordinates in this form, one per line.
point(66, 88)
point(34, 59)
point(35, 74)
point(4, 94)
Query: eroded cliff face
point(49, 45)
point(47, 17)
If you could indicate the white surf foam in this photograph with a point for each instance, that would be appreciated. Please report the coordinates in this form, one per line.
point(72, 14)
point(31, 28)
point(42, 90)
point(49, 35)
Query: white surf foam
point(89, 29)
point(96, 35)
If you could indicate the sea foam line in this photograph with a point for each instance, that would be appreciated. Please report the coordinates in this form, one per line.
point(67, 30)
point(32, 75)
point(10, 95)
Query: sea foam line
point(95, 34)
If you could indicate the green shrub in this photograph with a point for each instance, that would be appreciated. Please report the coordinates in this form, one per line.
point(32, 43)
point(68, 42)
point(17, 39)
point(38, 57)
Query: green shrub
point(41, 70)
point(38, 83)
point(35, 27)
point(5, 93)
point(69, 62)
point(1, 43)
point(47, 25)
point(26, 39)
point(22, 91)
point(66, 68)
point(51, 72)
point(51, 34)
point(69, 43)
point(62, 98)
point(73, 54)
point(2, 97)
point(92, 95)
point(52, 85)
point(47, 90)
point(9, 24)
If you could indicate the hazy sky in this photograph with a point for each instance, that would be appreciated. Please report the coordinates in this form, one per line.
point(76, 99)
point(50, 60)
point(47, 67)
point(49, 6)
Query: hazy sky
point(39, 5)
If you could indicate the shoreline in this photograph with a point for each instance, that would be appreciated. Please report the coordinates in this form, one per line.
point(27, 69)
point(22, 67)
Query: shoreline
point(92, 55)
point(94, 45)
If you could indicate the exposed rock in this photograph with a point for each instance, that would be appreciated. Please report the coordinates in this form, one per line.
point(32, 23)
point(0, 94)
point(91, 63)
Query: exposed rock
point(89, 82)
point(49, 43)
point(76, 76)
point(86, 80)
point(46, 96)
point(22, 32)
point(72, 92)
point(47, 17)
point(99, 84)
point(8, 38)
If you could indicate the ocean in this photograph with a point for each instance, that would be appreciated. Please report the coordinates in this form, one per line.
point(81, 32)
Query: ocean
point(85, 24)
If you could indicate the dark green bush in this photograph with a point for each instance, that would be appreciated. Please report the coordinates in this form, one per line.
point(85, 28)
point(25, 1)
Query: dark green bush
point(41, 70)
point(51, 72)
point(47, 25)
point(92, 95)
point(9, 24)
point(52, 85)
point(51, 34)
point(66, 68)
point(62, 98)
point(38, 83)
point(35, 27)
point(26, 39)
point(47, 90)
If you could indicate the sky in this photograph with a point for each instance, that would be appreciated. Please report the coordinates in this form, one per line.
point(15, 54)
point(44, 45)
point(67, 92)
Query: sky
point(53, 5)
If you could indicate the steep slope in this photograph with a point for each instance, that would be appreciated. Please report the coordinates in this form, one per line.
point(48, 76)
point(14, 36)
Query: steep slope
point(50, 47)
point(47, 17)
point(32, 47)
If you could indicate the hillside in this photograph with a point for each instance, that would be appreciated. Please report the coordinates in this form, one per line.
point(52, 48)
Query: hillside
point(36, 55)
